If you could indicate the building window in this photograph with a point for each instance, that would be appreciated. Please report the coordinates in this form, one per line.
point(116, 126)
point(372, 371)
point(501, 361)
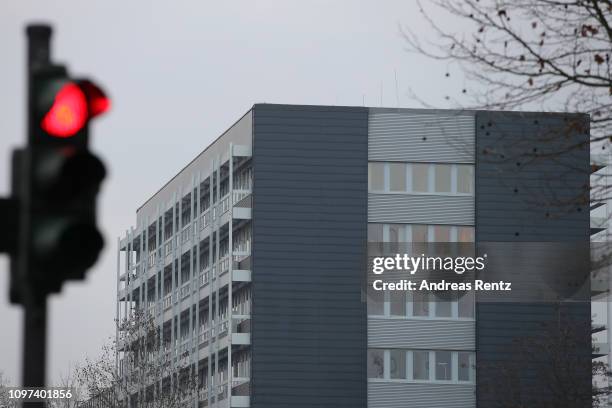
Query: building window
point(420, 365)
point(420, 233)
point(397, 364)
point(442, 233)
point(397, 298)
point(375, 232)
point(397, 175)
point(465, 234)
point(420, 177)
point(444, 369)
point(376, 303)
point(420, 303)
point(443, 178)
point(443, 306)
point(466, 304)
point(376, 176)
point(376, 363)
point(465, 179)
point(466, 366)
point(397, 234)
point(439, 178)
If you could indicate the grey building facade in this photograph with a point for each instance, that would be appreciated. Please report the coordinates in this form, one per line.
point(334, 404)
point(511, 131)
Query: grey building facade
point(251, 260)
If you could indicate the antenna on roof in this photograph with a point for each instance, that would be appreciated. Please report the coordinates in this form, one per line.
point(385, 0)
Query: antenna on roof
point(381, 93)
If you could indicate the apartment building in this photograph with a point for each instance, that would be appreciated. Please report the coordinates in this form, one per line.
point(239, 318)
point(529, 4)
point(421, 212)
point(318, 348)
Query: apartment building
point(252, 259)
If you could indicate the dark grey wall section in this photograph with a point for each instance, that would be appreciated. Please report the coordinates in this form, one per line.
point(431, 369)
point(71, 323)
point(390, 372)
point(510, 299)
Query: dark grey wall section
point(309, 334)
point(532, 174)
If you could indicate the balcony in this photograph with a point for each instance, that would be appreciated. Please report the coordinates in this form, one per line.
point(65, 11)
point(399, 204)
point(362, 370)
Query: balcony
point(186, 234)
point(167, 302)
point(242, 202)
point(223, 265)
point(220, 391)
point(205, 219)
point(222, 206)
point(240, 401)
point(600, 350)
point(241, 339)
point(122, 293)
point(152, 310)
point(205, 276)
point(185, 290)
point(598, 224)
point(168, 247)
point(153, 257)
point(206, 332)
point(242, 248)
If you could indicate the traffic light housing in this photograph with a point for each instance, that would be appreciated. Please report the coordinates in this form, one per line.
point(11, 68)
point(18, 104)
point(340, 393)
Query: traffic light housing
point(56, 180)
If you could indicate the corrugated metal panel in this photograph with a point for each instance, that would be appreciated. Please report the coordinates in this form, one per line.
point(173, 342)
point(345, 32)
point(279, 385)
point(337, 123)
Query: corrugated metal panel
point(421, 333)
point(309, 335)
point(421, 137)
point(421, 209)
point(421, 395)
point(512, 189)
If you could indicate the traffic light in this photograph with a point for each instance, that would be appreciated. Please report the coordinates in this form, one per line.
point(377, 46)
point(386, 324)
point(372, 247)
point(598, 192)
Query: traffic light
point(48, 224)
point(56, 181)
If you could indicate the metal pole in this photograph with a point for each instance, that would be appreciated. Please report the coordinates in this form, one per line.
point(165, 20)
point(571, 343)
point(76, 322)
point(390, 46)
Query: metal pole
point(39, 40)
point(34, 350)
point(35, 304)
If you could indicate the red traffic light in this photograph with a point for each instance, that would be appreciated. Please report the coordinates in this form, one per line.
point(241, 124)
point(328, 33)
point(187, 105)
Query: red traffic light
point(73, 105)
point(68, 113)
point(98, 102)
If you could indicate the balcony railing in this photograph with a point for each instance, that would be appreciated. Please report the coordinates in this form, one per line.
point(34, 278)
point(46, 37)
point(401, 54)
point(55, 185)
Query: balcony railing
point(224, 326)
point(205, 219)
point(205, 277)
point(222, 207)
point(167, 301)
point(186, 234)
point(151, 311)
point(204, 334)
point(239, 195)
point(168, 247)
point(224, 264)
point(242, 247)
point(185, 290)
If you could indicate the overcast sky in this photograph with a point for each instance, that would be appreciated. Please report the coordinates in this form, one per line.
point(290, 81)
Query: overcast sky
point(179, 73)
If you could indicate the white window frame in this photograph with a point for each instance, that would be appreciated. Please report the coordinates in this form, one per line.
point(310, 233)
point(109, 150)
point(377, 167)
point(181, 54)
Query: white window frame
point(431, 354)
point(409, 294)
point(431, 179)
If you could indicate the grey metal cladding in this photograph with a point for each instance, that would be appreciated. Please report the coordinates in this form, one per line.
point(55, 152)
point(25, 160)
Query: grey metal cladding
point(421, 395)
point(416, 136)
point(309, 335)
point(511, 179)
point(531, 186)
point(421, 334)
point(421, 209)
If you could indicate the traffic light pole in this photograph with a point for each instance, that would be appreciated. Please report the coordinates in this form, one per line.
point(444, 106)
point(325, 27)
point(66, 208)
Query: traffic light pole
point(34, 351)
point(52, 209)
point(35, 305)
